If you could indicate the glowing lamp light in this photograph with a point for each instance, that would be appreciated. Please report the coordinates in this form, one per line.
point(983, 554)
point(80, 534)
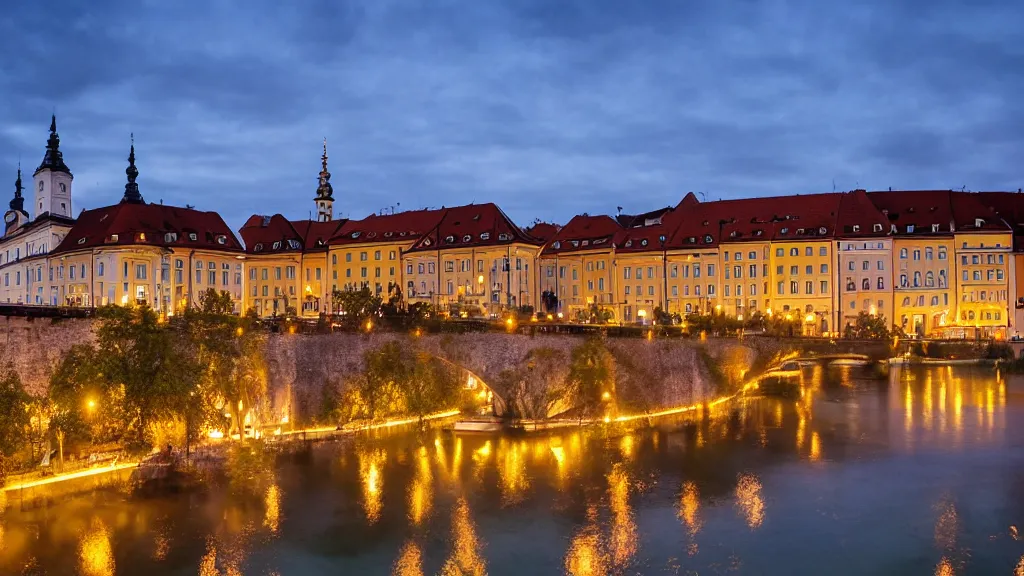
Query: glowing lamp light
point(124, 300)
point(216, 434)
point(809, 318)
point(605, 396)
point(642, 313)
point(768, 312)
point(369, 325)
point(607, 419)
point(239, 331)
point(739, 317)
point(480, 279)
point(550, 317)
point(718, 307)
point(789, 317)
point(91, 404)
point(309, 289)
point(559, 315)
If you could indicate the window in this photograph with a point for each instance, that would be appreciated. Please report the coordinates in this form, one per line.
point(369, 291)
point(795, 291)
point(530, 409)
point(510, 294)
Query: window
point(942, 252)
point(917, 279)
point(674, 271)
point(903, 281)
point(449, 266)
point(627, 290)
point(779, 252)
point(650, 290)
point(851, 266)
point(794, 252)
point(880, 265)
point(928, 253)
point(999, 274)
point(794, 287)
point(726, 256)
point(808, 287)
point(824, 269)
point(140, 271)
point(864, 265)
point(781, 288)
point(917, 254)
point(753, 270)
point(823, 251)
point(752, 256)
point(808, 270)
point(929, 279)
point(880, 284)
point(212, 277)
point(824, 286)
point(903, 253)
point(738, 256)
point(865, 284)
point(850, 286)
point(794, 270)
point(711, 269)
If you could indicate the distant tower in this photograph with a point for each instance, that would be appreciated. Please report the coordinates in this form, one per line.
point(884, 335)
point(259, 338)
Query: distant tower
point(324, 192)
point(53, 179)
point(16, 217)
point(131, 189)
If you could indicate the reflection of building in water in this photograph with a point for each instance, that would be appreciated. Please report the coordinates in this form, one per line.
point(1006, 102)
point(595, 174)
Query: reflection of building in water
point(371, 464)
point(421, 491)
point(585, 556)
point(689, 512)
point(410, 561)
point(95, 554)
point(623, 541)
point(466, 555)
point(748, 498)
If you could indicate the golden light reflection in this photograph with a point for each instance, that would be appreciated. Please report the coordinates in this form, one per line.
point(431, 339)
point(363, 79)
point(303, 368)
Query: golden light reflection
point(160, 550)
point(585, 557)
point(512, 471)
point(94, 552)
point(208, 563)
point(623, 541)
point(370, 466)
point(1019, 570)
point(410, 561)
point(689, 512)
point(465, 559)
point(908, 408)
point(421, 491)
point(944, 568)
point(748, 498)
point(272, 508)
point(815, 447)
point(626, 446)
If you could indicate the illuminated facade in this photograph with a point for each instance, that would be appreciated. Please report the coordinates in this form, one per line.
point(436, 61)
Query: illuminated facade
point(577, 266)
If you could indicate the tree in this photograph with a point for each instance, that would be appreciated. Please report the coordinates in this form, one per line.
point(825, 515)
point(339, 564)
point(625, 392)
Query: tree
point(595, 315)
point(77, 401)
point(384, 371)
point(356, 306)
point(229, 351)
point(536, 388)
point(867, 327)
point(146, 365)
point(591, 375)
point(395, 302)
point(429, 385)
point(420, 311)
point(14, 418)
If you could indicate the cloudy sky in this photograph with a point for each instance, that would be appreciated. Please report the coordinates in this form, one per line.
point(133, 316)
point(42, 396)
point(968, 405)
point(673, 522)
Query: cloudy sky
point(549, 108)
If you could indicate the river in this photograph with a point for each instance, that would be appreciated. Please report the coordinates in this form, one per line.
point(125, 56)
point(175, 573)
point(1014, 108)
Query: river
point(923, 474)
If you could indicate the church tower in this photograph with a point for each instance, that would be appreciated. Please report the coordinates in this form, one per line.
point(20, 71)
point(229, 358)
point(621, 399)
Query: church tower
point(131, 189)
point(52, 180)
point(324, 192)
point(16, 217)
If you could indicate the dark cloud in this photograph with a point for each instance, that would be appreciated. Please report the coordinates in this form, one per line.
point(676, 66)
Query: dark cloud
point(548, 108)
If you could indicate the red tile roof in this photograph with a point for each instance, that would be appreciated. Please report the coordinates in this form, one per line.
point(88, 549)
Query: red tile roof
point(316, 235)
point(1010, 207)
point(270, 234)
point(584, 232)
point(401, 226)
point(127, 224)
point(543, 230)
point(935, 212)
point(654, 230)
point(471, 226)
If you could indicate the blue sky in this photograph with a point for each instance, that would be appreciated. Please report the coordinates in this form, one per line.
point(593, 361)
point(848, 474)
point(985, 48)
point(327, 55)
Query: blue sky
point(548, 108)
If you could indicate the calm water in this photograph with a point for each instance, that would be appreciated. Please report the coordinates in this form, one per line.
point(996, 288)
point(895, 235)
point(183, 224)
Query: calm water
point(923, 475)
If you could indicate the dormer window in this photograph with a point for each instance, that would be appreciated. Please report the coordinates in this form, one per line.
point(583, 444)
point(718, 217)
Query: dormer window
point(556, 245)
point(799, 231)
point(784, 231)
point(707, 239)
point(171, 237)
point(758, 232)
point(113, 238)
point(276, 245)
point(979, 222)
point(449, 239)
point(856, 227)
point(575, 243)
point(629, 243)
point(935, 227)
point(822, 230)
point(371, 235)
point(467, 238)
point(600, 241)
point(877, 228)
point(142, 237)
point(485, 235)
point(402, 234)
point(356, 235)
point(294, 244)
point(661, 238)
point(258, 247)
point(733, 234)
point(910, 228)
point(389, 234)
point(193, 236)
point(643, 242)
point(691, 240)
point(585, 243)
point(426, 242)
point(81, 240)
point(504, 237)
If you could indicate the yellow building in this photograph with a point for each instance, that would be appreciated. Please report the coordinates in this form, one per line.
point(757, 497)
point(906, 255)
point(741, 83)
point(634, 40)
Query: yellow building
point(133, 252)
point(473, 261)
point(577, 267)
point(369, 252)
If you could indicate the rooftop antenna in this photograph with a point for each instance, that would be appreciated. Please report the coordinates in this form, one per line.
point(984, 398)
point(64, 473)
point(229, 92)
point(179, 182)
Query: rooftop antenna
point(703, 197)
point(833, 184)
point(619, 208)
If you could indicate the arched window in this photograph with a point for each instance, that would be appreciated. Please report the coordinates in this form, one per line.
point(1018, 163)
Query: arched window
point(865, 284)
point(903, 253)
point(929, 279)
point(850, 286)
point(903, 280)
point(881, 283)
point(917, 279)
point(906, 301)
point(935, 300)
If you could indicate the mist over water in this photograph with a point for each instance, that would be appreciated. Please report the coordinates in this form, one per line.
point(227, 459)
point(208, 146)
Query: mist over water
point(923, 474)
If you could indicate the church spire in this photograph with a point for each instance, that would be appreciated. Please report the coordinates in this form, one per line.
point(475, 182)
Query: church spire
point(324, 191)
point(18, 203)
point(131, 189)
point(54, 158)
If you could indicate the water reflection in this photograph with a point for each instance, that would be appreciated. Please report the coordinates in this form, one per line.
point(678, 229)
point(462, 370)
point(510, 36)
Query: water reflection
point(609, 500)
point(95, 551)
